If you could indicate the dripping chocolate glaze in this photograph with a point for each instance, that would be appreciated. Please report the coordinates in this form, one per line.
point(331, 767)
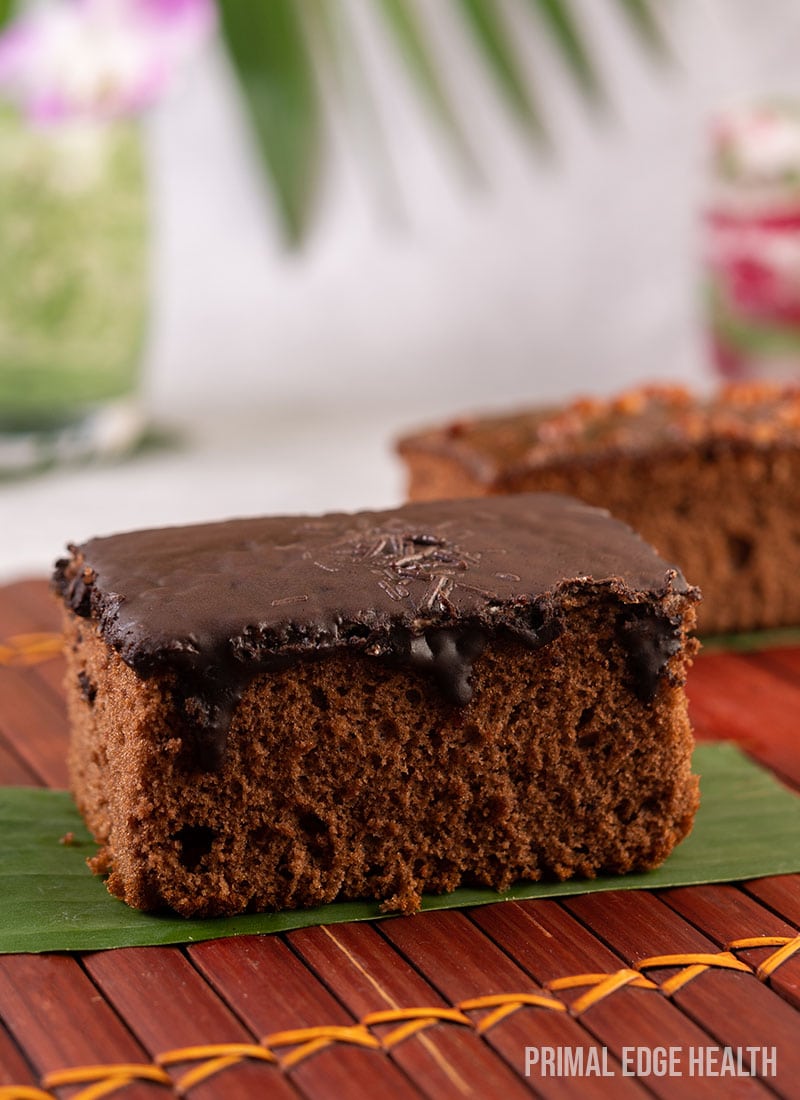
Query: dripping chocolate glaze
point(426, 585)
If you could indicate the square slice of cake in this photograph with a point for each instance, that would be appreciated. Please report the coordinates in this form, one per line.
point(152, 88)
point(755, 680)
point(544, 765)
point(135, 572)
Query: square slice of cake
point(273, 713)
point(712, 482)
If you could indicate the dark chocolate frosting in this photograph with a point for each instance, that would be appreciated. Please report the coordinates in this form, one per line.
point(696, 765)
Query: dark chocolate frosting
point(427, 584)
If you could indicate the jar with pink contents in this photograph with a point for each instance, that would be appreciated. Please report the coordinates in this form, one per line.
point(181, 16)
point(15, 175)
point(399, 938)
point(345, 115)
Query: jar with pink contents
point(752, 243)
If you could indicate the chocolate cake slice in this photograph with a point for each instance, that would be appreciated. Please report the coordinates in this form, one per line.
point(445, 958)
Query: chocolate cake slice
point(272, 713)
point(711, 482)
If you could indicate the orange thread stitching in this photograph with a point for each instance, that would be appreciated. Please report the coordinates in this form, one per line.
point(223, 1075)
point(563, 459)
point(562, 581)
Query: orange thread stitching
point(392, 1015)
point(30, 649)
point(682, 978)
point(218, 1056)
point(207, 1069)
point(306, 1041)
point(495, 999)
point(214, 1050)
point(788, 946)
point(104, 1079)
point(505, 1004)
point(573, 981)
point(23, 1092)
point(102, 1088)
point(405, 1031)
point(305, 1051)
point(605, 988)
point(723, 959)
point(494, 1018)
point(417, 1019)
point(695, 964)
point(341, 1033)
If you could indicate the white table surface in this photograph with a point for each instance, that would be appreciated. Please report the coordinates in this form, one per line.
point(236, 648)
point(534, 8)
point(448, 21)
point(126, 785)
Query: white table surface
point(219, 465)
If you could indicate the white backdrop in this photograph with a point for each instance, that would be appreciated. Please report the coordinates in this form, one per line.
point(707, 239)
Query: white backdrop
point(288, 374)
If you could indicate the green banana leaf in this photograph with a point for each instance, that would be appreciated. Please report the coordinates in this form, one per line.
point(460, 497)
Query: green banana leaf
point(748, 826)
point(751, 641)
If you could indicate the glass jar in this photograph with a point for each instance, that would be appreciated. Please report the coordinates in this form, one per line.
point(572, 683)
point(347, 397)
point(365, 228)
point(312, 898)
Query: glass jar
point(73, 289)
point(752, 243)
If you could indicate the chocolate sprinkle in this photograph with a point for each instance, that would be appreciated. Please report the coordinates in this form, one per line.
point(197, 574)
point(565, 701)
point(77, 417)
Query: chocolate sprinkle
point(426, 585)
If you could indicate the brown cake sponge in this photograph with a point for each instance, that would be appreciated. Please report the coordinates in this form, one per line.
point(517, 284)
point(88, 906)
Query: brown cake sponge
point(712, 483)
point(363, 742)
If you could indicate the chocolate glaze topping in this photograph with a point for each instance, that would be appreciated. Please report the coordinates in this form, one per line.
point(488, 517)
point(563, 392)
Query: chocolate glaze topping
point(427, 584)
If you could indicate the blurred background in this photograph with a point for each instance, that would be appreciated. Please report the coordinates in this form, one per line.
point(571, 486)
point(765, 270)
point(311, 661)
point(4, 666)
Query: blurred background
point(442, 207)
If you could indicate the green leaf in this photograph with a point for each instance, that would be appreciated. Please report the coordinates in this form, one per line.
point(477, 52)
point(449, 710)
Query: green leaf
point(336, 45)
point(6, 9)
point(568, 38)
point(639, 14)
point(492, 38)
point(277, 48)
point(269, 49)
point(751, 641)
point(748, 826)
point(402, 20)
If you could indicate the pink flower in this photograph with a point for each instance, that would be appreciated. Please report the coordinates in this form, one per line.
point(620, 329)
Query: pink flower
point(98, 59)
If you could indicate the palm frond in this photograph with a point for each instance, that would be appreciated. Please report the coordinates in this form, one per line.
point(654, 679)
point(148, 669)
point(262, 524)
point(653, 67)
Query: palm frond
point(568, 39)
point(492, 38)
point(323, 21)
point(342, 59)
point(403, 22)
point(277, 47)
point(640, 15)
point(269, 48)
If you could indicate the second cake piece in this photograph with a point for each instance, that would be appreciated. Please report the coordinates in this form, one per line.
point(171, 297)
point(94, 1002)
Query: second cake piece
point(277, 712)
point(713, 483)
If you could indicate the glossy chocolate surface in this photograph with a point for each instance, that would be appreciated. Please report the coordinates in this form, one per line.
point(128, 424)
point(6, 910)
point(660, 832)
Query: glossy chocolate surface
point(426, 585)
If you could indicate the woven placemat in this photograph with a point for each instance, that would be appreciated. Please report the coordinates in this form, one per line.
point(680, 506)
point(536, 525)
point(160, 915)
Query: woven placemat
point(444, 1004)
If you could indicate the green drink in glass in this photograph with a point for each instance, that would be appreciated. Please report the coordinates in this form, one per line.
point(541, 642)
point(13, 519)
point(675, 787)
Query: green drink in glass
point(74, 79)
point(73, 288)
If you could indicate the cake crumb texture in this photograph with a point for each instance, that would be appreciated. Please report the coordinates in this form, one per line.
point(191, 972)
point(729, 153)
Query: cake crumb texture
point(345, 777)
point(712, 483)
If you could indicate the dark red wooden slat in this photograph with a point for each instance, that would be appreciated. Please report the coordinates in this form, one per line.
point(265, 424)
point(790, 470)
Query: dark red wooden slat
point(49, 675)
point(462, 962)
point(548, 943)
point(37, 603)
point(274, 991)
point(751, 698)
point(725, 914)
point(369, 975)
point(14, 1070)
point(168, 1005)
point(58, 1019)
point(35, 726)
point(782, 661)
point(732, 698)
point(33, 717)
point(14, 772)
point(15, 616)
point(28, 607)
point(735, 1008)
point(780, 892)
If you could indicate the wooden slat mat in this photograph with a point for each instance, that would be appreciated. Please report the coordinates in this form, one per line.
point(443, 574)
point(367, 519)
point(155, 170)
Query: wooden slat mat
point(440, 1005)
